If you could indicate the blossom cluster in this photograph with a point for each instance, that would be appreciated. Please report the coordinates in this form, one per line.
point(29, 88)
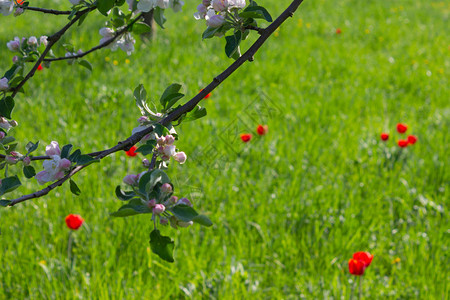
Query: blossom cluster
point(7, 6)
point(147, 5)
point(125, 42)
point(215, 12)
point(55, 167)
point(166, 149)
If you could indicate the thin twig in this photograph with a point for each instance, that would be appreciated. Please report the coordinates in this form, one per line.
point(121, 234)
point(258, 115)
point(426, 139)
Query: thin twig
point(116, 35)
point(47, 11)
point(190, 105)
point(258, 29)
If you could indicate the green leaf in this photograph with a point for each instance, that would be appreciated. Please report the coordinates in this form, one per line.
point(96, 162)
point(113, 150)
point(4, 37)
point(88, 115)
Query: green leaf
point(29, 172)
point(256, 12)
point(69, 48)
point(85, 64)
point(233, 42)
point(6, 107)
point(12, 71)
point(124, 212)
point(147, 148)
point(132, 209)
point(30, 147)
point(172, 99)
point(74, 188)
point(203, 220)
point(162, 245)
point(5, 203)
point(158, 15)
point(74, 156)
point(65, 151)
point(9, 184)
point(172, 89)
point(15, 81)
point(195, 114)
point(140, 28)
point(150, 179)
point(184, 212)
point(85, 159)
point(104, 6)
point(124, 195)
point(7, 140)
point(140, 95)
point(81, 19)
point(209, 32)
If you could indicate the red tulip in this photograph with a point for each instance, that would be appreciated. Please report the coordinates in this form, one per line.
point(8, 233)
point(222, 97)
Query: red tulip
point(384, 136)
point(356, 267)
point(246, 137)
point(40, 68)
point(74, 221)
point(402, 143)
point(401, 128)
point(412, 139)
point(131, 152)
point(365, 257)
point(338, 31)
point(262, 130)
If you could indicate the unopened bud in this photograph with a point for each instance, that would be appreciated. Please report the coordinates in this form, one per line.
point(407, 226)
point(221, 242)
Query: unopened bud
point(185, 201)
point(11, 160)
point(159, 209)
point(18, 11)
point(173, 199)
point(146, 163)
point(13, 123)
point(15, 59)
point(131, 179)
point(143, 119)
point(180, 157)
point(26, 161)
point(161, 141)
point(32, 41)
point(64, 164)
point(166, 188)
point(169, 139)
point(151, 203)
point(2, 134)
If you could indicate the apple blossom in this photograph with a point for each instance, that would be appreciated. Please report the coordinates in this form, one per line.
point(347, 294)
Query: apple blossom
point(201, 12)
point(4, 123)
point(151, 203)
point(185, 201)
point(146, 163)
point(176, 5)
point(180, 157)
point(169, 139)
point(146, 5)
point(126, 43)
point(6, 7)
point(163, 3)
point(64, 164)
point(2, 134)
point(159, 209)
point(236, 3)
point(213, 20)
point(143, 119)
point(32, 41)
point(11, 160)
point(15, 59)
point(173, 199)
point(43, 40)
point(53, 169)
point(169, 150)
point(53, 149)
point(131, 179)
point(18, 11)
point(4, 84)
point(219, 5)
point(26, 161)
point(166, 188)
point(13, 45)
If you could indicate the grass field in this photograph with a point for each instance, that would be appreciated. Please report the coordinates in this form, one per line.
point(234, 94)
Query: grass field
point(289, 208)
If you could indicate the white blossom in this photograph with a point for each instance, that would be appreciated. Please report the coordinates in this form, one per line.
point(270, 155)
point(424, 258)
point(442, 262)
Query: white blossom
point(4, 84)
point(213, 20)
point(176, 5)
point(6, 7)
point(13, 45)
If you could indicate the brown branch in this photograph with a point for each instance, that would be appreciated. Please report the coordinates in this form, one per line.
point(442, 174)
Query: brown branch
point(51, 41)
point(190, 105)
point(108, 42)
point(46, 11)
point(258, 29)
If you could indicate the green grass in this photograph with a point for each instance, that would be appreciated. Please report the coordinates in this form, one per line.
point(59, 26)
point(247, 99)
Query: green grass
point(290, 208)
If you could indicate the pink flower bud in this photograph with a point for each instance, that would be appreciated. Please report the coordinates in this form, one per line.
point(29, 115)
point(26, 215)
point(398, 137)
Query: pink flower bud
point(32, 41)
point(64, 164)
point(11, 160)
point(151, 203)
point(13, 123)
point(180, 157)
point(15, 59)
point(53, 149)
point(166, 188)
point(146, 163)
point(185, 201)
point(15, 154)
point(169, 139)
point(169, 150)
point(165, 157)
point(2, 134)
point(143, 119)
point(18, 11)
point(159, 209)
point(4, 84)
point(161, 150)
point(43, 40)
point(131, 179)
point(161, 141)
point(163, 221)
point(26, 161)
point(173, 199)
point(219, 5)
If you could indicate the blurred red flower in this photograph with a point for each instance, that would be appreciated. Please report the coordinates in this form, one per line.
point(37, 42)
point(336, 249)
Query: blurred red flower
point(412, 139)
point(401, 128)
point(402, 143)
point(356, 267)
point(262, 129)
point(207, 96)
point(384, 136)
point(131, 152)
point(338, 31)
point(74, 221)
point(365, 257)
point(246, 137)
point(40, 68)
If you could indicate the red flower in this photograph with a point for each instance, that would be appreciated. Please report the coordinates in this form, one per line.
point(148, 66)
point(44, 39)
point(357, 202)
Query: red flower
point(246, 137)
point(412, 139)
point(131, 152)
point(20, 2)
point(384, 136)
point(402, 143)
point(401, 128)
point(40, 68)
point(262, 129)
point(338, 31)
point(356, 267)
point(365, 257)
point(74, 221)
point(207, 96)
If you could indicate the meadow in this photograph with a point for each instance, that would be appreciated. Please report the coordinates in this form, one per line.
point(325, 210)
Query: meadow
point(289, 208)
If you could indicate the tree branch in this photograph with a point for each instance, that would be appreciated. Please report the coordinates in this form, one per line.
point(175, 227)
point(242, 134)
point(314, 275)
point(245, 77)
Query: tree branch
point(116, 35)
point(46, 11)
point(190, 105)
